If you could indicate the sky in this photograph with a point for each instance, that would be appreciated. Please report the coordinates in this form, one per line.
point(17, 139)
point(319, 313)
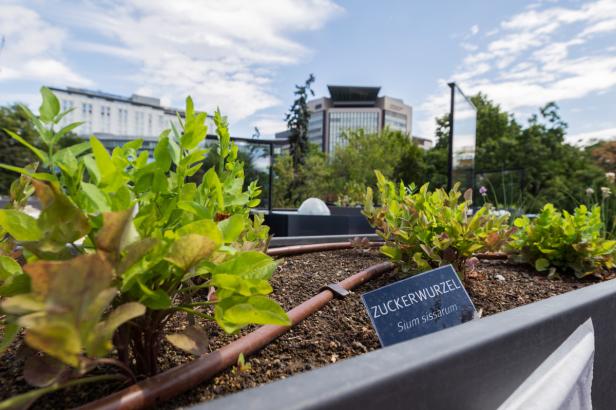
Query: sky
point(245, 56)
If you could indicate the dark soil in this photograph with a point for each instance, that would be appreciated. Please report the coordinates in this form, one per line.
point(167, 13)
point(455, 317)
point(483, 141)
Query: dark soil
point(340, 330)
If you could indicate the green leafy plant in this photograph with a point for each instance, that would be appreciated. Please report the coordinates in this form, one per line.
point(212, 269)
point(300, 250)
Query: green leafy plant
point(242, 366)
point(124, 243)
point(424, 229)
point(560, 240)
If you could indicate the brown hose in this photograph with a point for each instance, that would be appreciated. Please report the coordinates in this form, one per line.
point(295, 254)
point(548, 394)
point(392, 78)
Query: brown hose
point(172, 382)
point(317, 247)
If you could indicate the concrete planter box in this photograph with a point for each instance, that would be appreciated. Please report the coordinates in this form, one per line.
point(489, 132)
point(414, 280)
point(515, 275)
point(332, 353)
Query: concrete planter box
point(476, 365)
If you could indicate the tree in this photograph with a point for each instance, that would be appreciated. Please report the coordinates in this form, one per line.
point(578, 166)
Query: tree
point(604, 154)
point(553, 171)
point(391, 152)
point(11, 152)
point(297, 122)
point(315, 173)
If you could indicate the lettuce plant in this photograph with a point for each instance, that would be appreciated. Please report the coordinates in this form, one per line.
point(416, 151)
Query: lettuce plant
point(567, 242)
point(124, 243)
point(424, 229)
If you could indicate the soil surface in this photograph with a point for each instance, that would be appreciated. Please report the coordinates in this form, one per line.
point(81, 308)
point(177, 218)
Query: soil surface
point(340, 330)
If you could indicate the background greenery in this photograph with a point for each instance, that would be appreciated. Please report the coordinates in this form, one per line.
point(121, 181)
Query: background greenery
point(532, 154)
point(545, 167)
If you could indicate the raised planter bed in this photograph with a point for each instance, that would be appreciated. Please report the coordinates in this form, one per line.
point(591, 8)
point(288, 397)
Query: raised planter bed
point(350, 222)
point(339, 331)
point(473, 366)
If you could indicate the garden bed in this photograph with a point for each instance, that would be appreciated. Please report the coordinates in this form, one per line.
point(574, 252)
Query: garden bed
point(340, 330)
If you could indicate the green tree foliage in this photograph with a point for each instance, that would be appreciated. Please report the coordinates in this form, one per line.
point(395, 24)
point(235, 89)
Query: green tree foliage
point(17, 119)
point(297, 122)
point(12, 152)
point(553, 170)
point(391, 152)
point(344, 176)
point(315, 172)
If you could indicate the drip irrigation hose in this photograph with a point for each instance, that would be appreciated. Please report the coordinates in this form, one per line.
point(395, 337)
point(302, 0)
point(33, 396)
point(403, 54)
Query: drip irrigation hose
point(168, 384)
point(317, 247)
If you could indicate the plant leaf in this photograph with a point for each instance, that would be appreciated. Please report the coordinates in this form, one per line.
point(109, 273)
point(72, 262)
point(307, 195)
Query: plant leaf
point(50, 107)
point(249, 265)
point(41, 370)
point(193, 340)
point(117, 232)
point(258, 310)
point(232, 227)
point(11, 330)
point(60, 220)
point(189, 250)
point(542, 264)
point(54, 337)
point(8, 267)
point(19, 225)
point(99, 343)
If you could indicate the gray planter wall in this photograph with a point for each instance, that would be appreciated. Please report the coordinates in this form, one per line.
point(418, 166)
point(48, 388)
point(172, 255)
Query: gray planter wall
point(473, 366)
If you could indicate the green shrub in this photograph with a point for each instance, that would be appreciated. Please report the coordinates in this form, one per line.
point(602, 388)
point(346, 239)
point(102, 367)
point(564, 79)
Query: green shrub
point(559, 240)
point(424, 229)
point(124, 243)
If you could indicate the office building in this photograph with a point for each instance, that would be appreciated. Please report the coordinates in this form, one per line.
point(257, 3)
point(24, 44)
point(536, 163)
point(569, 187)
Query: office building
point(350, 108)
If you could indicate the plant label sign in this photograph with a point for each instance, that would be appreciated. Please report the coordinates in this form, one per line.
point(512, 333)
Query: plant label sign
point(422, 304)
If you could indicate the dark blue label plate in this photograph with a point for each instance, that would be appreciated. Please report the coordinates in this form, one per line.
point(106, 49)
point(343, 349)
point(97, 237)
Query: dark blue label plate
point(418, 305)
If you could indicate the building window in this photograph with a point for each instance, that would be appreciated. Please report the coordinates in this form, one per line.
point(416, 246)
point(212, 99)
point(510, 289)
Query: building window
point(68, 118)
point(105, 119)
point(122, 121)
point(139, 123)
point(396, 121)
point(341, 122)
point(86, 115)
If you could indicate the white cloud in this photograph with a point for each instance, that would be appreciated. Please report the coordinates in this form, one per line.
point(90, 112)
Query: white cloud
point(536, 57)
point(592, 136)
point(223, 53)
point(270, 125)
point(33, 49)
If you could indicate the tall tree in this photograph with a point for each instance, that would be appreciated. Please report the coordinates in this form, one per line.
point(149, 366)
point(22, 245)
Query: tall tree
point(297, 121)
point(13, 153)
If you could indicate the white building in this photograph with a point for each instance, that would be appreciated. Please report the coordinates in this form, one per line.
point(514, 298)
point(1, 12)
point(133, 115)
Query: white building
point(115, 119)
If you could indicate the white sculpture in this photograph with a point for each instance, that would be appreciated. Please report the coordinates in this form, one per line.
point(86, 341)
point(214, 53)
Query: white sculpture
point(313, 206)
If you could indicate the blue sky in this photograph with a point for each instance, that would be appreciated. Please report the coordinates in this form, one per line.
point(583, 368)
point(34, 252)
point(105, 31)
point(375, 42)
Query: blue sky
point(246, 56)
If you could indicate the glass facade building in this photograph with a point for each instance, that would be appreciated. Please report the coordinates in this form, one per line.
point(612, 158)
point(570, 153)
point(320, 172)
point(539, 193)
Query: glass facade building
point(351, 108)
point(350, 120)
point(396, 121)
point(315, 127)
